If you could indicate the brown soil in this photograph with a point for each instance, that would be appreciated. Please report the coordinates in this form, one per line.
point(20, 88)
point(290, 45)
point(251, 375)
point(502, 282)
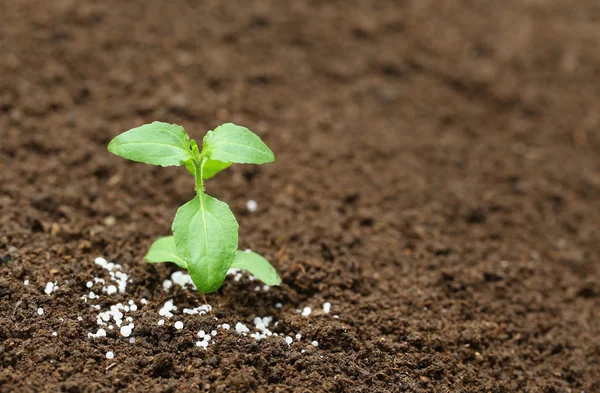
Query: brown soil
point(437, 180)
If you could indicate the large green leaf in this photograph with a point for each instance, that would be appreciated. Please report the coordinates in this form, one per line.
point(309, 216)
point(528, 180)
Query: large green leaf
point(256, 265)
point(206, 236)
point(231, 143)
point(163, 250)
point(157, 143)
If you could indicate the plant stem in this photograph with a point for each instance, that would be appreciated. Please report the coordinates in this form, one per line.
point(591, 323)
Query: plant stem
point(198, 164)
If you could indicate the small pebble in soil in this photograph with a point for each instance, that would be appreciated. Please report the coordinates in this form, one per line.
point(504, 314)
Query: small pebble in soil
point(226, 326)
point(132, 340)
point(178, 325)
point(278, 305)
point(289, 340)
point(315, 344)
point(298, 336)
point(111, 290)
point(167, 284)
point(40, 311)
point(251, 205)
point(306, 312)
point(89, 284)
point(326, 307)
point(161, 322)
point(26, 282)
point(110, 355)
point(54, 334)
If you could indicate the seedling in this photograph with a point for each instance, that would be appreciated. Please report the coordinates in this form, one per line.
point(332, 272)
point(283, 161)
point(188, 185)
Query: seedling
point(205, 231)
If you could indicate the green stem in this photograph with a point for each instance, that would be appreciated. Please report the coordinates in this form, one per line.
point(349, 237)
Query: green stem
point(199, 164)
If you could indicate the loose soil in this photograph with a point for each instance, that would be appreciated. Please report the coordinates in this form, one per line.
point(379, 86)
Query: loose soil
point(437, 181)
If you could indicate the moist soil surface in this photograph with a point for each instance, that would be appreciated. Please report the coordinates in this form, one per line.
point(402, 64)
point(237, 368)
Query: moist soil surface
point(437, 182)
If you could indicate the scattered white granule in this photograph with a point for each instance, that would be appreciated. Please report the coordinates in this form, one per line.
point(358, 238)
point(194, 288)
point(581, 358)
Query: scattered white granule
point(201, 333)
point(336, 316)
point(226, 326)
point(54, 334)
point(50, 287)
point(99, 333)
point(213, 333)
point(111, 290)
point(92, 295)
point(278, 305)
point(203, 344)
point(89, 284)
point(289, 340)
point(306, 312)
point(251, 205)
point(167, 284)
point(266, 288)
point(178, 325)
point(315, 344)
point(26, 282)
point(144, 301)
point(165, 311)
point(40, 311)
point(110, 355)
point(80, 318)
point(241, 328)
point(201, 310)
point(326, 307)
point(126, 330)
point(182, 279)
point(161, 322)
point(298, 336)
point(132, 340)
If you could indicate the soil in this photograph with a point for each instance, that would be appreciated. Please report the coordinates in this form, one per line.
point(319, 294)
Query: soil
point(437, 181)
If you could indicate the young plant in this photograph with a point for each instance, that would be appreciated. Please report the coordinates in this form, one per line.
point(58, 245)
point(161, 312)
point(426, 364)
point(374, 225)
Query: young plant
point(205, 232)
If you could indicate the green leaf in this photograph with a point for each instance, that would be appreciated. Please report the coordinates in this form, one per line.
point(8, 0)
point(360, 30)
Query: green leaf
point(256, 265)
point(163, 250)
point(206, 236)
point(212, 167)
point(231, 143)
point(189, 165)
point(157, 144)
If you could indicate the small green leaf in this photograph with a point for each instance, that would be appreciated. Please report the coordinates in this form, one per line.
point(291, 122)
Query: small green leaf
point(231, 143)
point(212, 167)
point(163, 250)
point(156, 143)
point(189, 165)
point(256, 265)
point(206, 236)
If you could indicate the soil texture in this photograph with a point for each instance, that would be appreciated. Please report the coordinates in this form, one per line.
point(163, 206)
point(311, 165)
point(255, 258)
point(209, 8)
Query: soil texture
point(437, 182)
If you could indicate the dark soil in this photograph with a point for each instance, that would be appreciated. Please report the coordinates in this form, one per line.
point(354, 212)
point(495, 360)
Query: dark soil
point(437, 180)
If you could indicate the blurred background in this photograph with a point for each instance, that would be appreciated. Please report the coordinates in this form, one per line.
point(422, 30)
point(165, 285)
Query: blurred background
point(437, 174)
